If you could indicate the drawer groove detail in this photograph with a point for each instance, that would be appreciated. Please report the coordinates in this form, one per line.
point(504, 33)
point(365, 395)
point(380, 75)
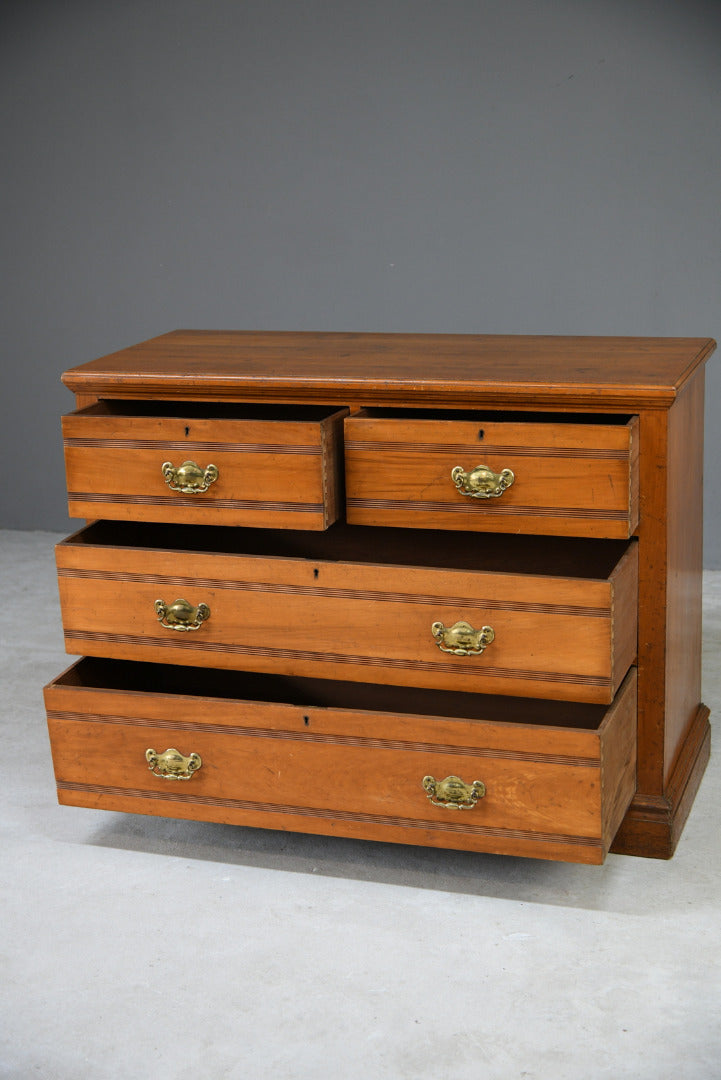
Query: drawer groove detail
point(336, 658)
point(487, 448)
point(343, 594)
point(165, 444)
point(169, 500)
point(328, 739)
point(333, 815)
point(490, 508)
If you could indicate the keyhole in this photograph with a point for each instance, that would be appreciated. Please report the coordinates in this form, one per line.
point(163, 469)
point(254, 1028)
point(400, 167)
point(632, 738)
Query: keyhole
point(481, 433)
point(187, 431)
point(316, 571)
point(306, 721)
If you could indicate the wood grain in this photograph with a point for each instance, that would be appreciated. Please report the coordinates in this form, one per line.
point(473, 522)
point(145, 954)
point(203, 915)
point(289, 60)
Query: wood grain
point(554, 636)
point(570, 479)
point(275, 765)
point(684, 555)
point(453, 370)
point(500, 380)
point(275, 473)
point(653, 824)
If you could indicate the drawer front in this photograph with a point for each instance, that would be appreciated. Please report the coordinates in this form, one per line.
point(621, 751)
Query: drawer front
point(525, 789)
point(557, 479)
point(194, 469)
point(507, 633)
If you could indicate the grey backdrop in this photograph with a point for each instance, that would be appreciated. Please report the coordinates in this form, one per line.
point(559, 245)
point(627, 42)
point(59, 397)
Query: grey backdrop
point(503, 166)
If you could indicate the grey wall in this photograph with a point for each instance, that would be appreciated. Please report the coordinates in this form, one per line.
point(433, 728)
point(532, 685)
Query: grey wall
point(501, 166)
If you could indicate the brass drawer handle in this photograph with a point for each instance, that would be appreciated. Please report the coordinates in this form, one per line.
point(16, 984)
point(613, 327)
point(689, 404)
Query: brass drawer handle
point(189, 478)
point(181, 615)
point(453, 793)
point(171, 765)
point(482, 482)
point(461, 639)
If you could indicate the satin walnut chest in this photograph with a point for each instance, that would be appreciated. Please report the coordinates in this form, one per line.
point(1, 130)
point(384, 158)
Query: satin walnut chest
point(441, 590)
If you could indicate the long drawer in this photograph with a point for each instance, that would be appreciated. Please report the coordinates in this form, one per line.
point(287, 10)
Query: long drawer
point(501, 615)
point(258, 465)
point(545, 779)
point(552, 476)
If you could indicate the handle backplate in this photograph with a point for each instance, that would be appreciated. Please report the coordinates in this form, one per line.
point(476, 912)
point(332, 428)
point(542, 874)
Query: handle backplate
point(461, 639)
point(172, 765)
point(189, 478)
point(181, 615)
point(482, 482)
point(453, 793)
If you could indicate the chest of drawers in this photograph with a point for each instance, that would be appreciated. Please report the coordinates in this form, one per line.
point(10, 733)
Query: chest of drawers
point(430, 589)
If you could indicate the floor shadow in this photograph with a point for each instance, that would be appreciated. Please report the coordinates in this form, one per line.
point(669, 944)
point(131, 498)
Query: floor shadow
point(495, 876)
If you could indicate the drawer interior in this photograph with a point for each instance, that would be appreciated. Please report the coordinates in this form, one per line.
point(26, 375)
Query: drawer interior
point(206, 410)
point(474, 416)
point(142, 678)
point(568, 557)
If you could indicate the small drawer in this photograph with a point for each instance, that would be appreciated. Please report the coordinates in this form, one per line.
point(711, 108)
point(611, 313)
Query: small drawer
point(541, 779)
point(545, 475)
point(536, 617)
point(199, 463)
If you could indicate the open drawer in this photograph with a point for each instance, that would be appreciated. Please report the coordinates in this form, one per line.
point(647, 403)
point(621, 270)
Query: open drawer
point(542, 779)
point(553, 475)
point(205, 463)
point(537, 617)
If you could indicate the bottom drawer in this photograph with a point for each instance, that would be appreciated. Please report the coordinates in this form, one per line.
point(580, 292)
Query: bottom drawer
point(452, 770)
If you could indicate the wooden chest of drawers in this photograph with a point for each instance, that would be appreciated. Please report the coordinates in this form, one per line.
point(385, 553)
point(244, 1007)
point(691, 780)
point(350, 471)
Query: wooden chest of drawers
point(429, 589)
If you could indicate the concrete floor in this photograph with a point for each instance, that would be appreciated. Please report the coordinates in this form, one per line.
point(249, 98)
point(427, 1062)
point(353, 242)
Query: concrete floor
point(135, 948)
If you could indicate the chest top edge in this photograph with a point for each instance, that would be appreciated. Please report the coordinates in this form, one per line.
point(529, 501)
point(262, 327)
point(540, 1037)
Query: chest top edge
point(455, 370)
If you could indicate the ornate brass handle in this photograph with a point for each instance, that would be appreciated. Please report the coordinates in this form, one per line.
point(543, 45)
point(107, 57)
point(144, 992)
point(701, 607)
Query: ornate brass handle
point(171, 765)
point(461, 639)
point(482, 482)
point(181, 615)
point(189, 478)
point(453, 793)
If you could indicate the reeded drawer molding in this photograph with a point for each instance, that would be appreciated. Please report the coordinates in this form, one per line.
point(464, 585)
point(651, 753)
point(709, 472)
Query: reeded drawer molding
point(562, 478)
point(283, 471)
point(550, 792)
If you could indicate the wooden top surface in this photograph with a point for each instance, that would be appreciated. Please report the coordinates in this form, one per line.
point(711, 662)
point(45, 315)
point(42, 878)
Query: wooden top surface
point(455, 370)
